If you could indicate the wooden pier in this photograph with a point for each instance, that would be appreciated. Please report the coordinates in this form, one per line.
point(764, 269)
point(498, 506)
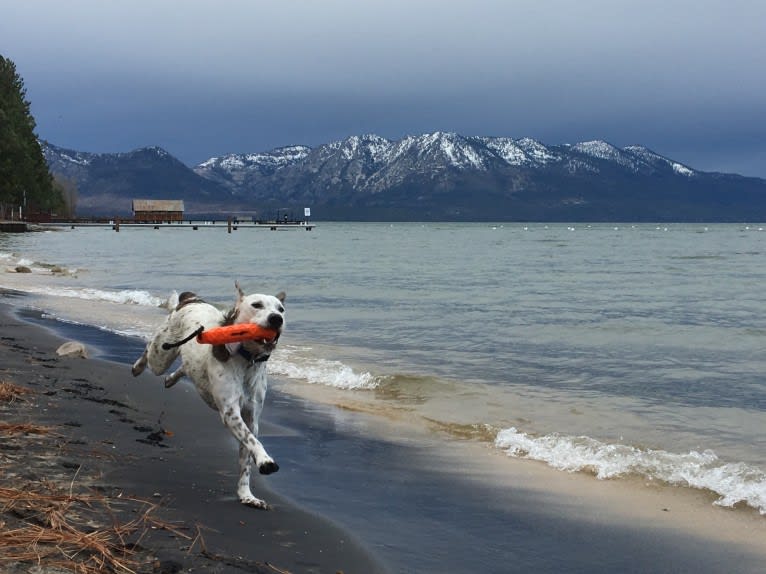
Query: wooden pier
point(191, 225)
point(13, 226)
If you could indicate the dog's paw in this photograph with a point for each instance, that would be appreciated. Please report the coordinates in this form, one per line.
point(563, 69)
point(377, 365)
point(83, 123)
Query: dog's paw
point(170, 381)
point(268, 467)
point(254, 502)
point(138, 367)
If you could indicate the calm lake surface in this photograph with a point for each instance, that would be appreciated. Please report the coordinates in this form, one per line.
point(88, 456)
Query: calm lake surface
point(619, 349)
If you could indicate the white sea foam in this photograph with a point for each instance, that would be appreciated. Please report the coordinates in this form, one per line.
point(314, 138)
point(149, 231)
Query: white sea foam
point(293, 363)
point(122, 297)
point(13, 260)
point(126, 331)
point(734, 483)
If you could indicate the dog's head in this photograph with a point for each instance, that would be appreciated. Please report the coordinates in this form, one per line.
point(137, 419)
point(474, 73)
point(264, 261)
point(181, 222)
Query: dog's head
point(266, 311)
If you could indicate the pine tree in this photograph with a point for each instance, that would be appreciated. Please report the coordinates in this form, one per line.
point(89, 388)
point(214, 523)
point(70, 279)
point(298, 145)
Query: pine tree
point(24, 177)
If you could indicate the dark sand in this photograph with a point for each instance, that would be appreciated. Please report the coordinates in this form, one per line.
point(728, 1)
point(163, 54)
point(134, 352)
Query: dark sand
point(110, 434)
point(411, 505)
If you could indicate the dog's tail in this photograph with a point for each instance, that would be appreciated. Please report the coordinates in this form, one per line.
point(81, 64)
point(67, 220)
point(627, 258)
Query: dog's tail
point(171, 302)
point(176, 301)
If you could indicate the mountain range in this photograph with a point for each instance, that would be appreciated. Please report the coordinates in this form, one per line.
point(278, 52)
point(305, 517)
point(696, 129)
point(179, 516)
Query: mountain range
point(437, 176)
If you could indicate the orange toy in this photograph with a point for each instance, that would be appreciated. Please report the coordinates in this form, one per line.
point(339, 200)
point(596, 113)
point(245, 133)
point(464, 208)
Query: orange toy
point(235, 333)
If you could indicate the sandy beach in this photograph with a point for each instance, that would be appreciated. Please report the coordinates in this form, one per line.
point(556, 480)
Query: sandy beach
point(105, 436)
point(356, 493)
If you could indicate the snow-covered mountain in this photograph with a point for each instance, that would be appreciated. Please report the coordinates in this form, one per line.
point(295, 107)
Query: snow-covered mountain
point(232, 169)
point(439, 175)
point(108, 182)
point(373, 164)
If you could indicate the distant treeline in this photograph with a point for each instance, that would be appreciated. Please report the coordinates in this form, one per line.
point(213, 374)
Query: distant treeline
point(26, 185)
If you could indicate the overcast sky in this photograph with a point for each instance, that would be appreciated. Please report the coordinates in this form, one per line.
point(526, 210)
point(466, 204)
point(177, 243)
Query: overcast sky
point(202, 78)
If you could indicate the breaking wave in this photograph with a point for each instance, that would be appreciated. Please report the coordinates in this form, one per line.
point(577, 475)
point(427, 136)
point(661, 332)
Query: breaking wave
point(296, 363)
point(734, 483)
point(122, 297)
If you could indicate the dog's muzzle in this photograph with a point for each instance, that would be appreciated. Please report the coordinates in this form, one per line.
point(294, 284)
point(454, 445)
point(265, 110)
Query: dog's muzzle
point(275, 321)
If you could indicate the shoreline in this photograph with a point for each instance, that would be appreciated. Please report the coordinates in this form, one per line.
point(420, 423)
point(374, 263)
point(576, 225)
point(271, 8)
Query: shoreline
point(110, 439)
point(409, 500)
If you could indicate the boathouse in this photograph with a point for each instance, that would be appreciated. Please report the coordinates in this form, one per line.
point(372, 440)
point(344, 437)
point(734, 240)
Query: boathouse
point(158, 210)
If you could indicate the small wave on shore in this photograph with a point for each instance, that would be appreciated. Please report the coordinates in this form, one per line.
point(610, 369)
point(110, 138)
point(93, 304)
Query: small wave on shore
point(298, 363)
point(733, 483)
point(35, 277)
point(14, 263)
point(121, 296)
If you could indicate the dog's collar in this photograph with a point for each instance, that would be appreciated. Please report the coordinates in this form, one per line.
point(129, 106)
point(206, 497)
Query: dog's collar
point(250, 358)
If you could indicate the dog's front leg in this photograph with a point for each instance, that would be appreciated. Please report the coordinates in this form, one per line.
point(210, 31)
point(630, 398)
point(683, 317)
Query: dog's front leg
point(232, 418)
point(249, 447)
point(245, 462)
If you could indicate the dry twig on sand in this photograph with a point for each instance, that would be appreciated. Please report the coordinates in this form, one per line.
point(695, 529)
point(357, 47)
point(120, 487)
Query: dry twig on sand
point(56, 528)
point(23, 428)
point(58, 524)
point(10, 392)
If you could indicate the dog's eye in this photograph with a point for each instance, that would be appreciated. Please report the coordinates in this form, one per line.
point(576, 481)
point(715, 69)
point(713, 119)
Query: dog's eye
point(281, 309)
point(257, 305)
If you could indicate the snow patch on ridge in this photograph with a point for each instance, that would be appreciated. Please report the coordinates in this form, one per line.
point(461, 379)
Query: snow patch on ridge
point(681, 169)
point(652, 158)
point(274, 159)
point(448, 149)
point(600, 149)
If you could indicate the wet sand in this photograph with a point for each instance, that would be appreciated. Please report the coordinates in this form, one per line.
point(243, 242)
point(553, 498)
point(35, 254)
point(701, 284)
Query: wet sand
point(412, 503)
point(112, 431)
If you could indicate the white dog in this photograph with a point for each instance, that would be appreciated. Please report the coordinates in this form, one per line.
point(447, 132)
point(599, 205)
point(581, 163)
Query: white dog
point(230, 378)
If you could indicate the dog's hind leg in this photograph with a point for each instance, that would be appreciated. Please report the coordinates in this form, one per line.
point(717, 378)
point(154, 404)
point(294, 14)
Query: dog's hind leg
point(173, 377)
point(140, 364)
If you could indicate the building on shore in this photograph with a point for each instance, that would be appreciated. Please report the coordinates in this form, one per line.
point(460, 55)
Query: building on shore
point(158, 210)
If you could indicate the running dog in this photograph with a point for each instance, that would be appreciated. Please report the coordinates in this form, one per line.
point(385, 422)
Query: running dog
point(230, 378)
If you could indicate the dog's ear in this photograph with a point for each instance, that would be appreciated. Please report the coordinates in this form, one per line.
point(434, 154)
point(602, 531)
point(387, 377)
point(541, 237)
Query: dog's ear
point(240, 293)
point(281, 296)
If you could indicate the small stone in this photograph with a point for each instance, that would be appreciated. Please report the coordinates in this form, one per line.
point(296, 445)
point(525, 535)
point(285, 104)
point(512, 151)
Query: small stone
point(72, 349)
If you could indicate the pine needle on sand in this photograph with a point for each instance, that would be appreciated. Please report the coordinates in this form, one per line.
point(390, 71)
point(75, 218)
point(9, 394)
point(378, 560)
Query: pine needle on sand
point(23, 428)
point(10, 392)
point(45, 524)
point(58, 523)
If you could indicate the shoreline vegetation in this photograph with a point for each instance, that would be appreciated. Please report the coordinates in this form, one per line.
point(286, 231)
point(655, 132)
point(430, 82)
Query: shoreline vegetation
point(26, 183)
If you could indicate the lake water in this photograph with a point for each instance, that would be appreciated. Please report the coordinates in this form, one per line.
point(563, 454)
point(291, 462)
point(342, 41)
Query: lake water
point(620, 350)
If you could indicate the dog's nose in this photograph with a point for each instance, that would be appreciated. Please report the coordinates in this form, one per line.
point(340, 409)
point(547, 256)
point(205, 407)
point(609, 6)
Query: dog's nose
point(275, 321)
